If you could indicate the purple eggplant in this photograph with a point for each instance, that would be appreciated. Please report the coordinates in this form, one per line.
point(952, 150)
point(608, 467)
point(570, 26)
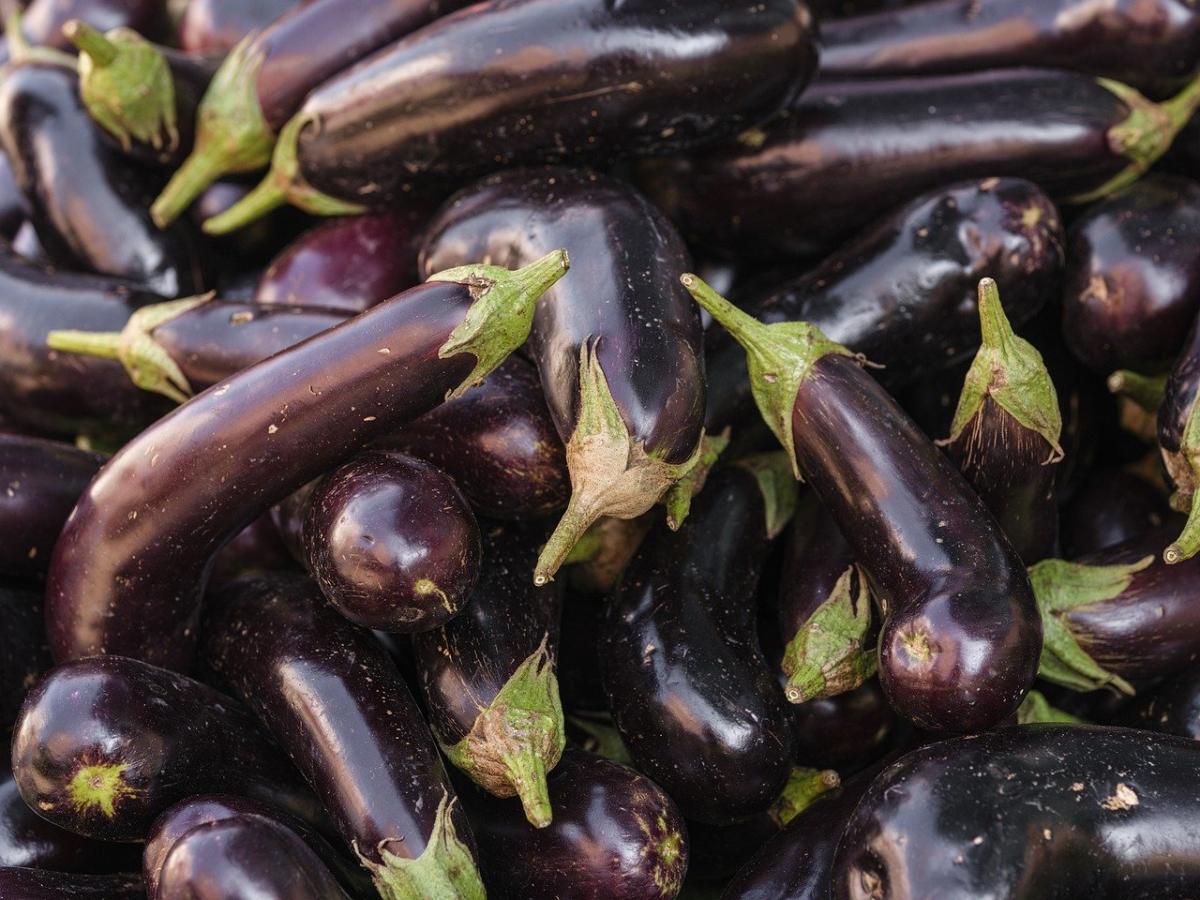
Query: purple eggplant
point(14, 211)
point(332, 697)
point(617, 344)
point(128, 570)
point(521, 82)
point(35, 884)
point(1111, 507)
point(43, 20)
point(961, 635)
point(1179, 442)
point(217, 26)
point(850, 151)
point(23, 652)
point(844, 732)
point(1172, 707)
point(256, 548)
point(489, 678)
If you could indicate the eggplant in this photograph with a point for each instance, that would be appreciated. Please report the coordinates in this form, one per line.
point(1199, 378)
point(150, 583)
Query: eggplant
point(1172, 707)
point(34, 884)
point(520, 82)
point(40, 481)
point(1179, 443)
point(845, 732)
point(684, 675)
point(42, 20)
point(332, 697)
point(128, 570)
point(1113, 506)
point(256, 548)
point(615, 836)
point(489, 681)
point(217, 26)
point(961, 634)
point(904, 291)
point(86, 201)
point(618, 346)
point(104, 745)
point(23, 651)
point(1086, 812)
point(392, 543)
point(1153, 46)
point(849, 151)
point(13, 209)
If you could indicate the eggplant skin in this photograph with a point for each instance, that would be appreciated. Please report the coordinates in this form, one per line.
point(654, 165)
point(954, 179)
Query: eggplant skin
point(24, 654)
point(1034, 811)
point(1172, 707)
point(1112, 506)
point(216, 26)
point(35, 884)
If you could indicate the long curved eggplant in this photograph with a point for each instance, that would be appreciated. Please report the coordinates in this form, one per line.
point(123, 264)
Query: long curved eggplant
point(104, 745)
point(217, 26)
point(34, 884)
point(680, 660)
point(1111, 507)
point(128, 570)
point(1179, 442)
point(617, 344)
point(489, 678)
point(1086, 812)
point(336, 703)
point(23, 652)
point(520, 82)
point(961, 635)
point(850, 151)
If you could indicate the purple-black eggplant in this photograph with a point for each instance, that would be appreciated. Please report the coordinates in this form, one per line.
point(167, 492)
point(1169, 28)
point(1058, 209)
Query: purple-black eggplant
point(19, 883)
point(1171, 707)
point(845, 732)
point(42, 20)
point(217, 26)
point(24, 655)
point(1111, 507)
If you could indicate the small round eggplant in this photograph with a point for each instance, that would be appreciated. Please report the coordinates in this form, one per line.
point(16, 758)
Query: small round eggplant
point(217, 26)
point(34, 884)
point(392, 543)
point(1112, 506)
point(23, 651)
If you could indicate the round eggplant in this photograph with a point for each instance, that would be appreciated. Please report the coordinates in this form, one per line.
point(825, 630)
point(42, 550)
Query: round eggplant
point(34, 884)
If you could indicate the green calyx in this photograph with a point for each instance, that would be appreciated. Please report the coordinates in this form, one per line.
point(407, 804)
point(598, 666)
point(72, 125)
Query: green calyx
point(1061, 587)
point(148, 364)
point(828, 656)
point(773, 472)
point(518, 738)
point(1184, 468)
point(678, 499)
point(1009, 371)
point(1144, 390)
point(99, 788)
point(1035, 709)
point(500, 319)
point(778, 356)
point(445, 870)
point(803, 788)
point(126, 85)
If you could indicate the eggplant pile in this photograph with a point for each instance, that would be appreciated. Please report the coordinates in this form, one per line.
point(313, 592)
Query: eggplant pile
point(544, 449)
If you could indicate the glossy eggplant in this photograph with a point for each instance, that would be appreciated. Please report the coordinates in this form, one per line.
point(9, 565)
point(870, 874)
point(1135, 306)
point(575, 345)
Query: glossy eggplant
point(128, 570)
point(1111, 507)
point(844, 732)
point(256, 548)
point(617, 343)
point(331, 695)
point(961, 634)
point(679, 649)
point(850, 151)
point(34, 884)
point(1086, 812)
point(40, 481)
point(615, 836)
point(87, 203)
point(474, 92)
point(1172, 707)
point(104, 745)
point(489, 677)
point(23, 651)
point(1179, 442)
point(217, 26)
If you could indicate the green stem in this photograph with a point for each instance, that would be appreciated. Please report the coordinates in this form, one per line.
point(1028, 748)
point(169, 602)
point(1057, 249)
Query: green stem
point(581, 513)
point(803, 788)
point(1187, 544)
point(190, 180)
point(1180, 108)
point(527, 772)
point(90, 41)
point(995, 329)
point(266, 197)
point(101, 344)
point(1144, 390)
point(743, 327)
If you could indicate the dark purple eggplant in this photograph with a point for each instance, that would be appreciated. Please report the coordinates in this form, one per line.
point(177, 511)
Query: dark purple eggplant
point(844, 732)
point(1154, 46)
point(43, 20)
point(904, 291)
point(128, 570)
point(256, 548)
point(1179, 441)
point(14, 212)
point(392, 543)
point(217, 26)
point(87, 202)
point(617, 344)
point(1069, 811)
point(35, 884)
point(1172, 707)
point(615, 836)
point(40, 481)
point(1111, 507)
point(684, 675)
point(850, 151)
point(520, 82)
point(961, 635)
point(23, 651)
point(104, 745)
point(489, 676)
point(332, 697)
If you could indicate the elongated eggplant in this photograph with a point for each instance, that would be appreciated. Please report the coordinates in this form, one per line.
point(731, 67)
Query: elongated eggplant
point(1133, 276)
point(489, 676)
point(104, 745)
point(1087, 812)
point(470, 94)
point(334, 700)
point(23, 651)
point(128, 570)
point(844, 732)
point(961, 635)
point(217, 26)
point(617, 344)
point(1179, 442)
point(40, 481)
point(615, 836)
point(904, 292)
point(1112, 506)
point(34, 884)
point(850, 151)
point(682, 669)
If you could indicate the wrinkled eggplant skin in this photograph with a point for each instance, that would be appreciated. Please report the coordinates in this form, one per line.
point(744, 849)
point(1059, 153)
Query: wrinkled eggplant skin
point(1093, 811)
point(904, 292)
point(1172, 707)
point(850, 151)
point(622, 80)
point(1150, 45)
point(679, 648)
point(844, 732)
point(216, 26)
point(1112, 506)
point(950, 582)
point(333, 699)
point(23, 651)
point(40, 481)
point(89, 206)
point(1133, 278)
point(615, 836)
point(35, 884)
